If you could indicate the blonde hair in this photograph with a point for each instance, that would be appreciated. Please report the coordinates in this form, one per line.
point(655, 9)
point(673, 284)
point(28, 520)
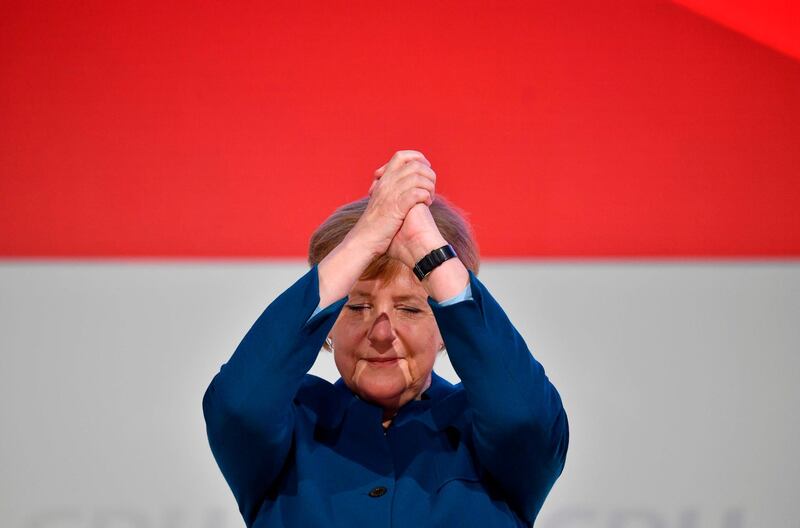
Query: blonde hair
point(450, 220)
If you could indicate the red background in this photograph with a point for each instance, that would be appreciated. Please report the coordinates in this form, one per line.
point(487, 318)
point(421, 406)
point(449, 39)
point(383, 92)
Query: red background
point(566, 129)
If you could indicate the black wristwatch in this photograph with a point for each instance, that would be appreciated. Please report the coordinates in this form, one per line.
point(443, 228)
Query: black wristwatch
point(433, 259)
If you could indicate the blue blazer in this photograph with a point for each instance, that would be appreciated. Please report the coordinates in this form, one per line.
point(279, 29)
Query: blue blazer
point(297, 450)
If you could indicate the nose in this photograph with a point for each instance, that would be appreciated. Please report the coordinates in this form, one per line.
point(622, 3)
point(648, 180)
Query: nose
point(382, 335)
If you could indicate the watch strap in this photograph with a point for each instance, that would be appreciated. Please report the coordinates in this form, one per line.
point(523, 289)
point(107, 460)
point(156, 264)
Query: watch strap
point(432, 260)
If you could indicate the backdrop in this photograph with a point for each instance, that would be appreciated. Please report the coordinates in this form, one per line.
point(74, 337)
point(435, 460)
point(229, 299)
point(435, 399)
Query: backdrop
point(630, 169)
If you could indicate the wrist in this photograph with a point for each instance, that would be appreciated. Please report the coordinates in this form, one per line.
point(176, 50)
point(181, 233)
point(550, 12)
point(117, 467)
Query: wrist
point(419, 248)
point(447, 280)
point(340, 269)
point(361, 242)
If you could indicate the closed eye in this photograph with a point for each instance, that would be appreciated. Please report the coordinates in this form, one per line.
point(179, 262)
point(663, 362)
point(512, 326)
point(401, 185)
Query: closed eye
point(358, 308)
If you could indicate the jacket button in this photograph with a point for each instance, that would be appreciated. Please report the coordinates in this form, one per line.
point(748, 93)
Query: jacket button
point(377, 492)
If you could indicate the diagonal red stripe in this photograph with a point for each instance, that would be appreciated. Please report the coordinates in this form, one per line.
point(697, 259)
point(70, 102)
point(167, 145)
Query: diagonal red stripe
point(775, 23)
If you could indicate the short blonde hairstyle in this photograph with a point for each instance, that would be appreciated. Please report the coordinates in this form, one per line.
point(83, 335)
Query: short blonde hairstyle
point(450, 220)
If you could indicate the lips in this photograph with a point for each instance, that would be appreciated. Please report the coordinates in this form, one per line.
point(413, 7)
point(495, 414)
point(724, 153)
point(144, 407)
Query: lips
point(382, 362)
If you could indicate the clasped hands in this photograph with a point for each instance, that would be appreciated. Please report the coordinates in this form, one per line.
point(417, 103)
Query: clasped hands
point(397, 220)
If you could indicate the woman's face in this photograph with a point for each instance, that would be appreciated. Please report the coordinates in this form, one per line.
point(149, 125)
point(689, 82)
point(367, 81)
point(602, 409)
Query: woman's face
point(386, 339)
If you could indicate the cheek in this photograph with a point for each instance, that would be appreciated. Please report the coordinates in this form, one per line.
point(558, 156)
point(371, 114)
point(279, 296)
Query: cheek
point(346, 364)
point(422, 342)
point(426, 332)
point(351, 326)
point(346, 331)
point(347, 335)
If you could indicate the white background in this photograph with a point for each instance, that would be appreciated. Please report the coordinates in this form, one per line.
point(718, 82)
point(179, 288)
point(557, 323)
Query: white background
point(680, 381)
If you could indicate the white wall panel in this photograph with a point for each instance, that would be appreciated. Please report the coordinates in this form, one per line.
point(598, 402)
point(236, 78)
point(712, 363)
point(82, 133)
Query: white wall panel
point(680, 381)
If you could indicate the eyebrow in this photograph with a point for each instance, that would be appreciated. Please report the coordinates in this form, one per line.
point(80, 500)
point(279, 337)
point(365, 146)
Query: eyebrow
point(362, 293)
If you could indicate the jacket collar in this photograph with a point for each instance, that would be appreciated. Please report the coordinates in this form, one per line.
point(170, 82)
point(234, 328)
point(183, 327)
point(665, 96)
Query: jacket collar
point(440, 397)
point(438, 389)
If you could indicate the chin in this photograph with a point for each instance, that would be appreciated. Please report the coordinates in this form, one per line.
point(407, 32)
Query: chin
point(382, 388)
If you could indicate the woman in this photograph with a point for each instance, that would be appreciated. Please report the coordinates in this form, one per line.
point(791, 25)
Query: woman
point(390, 443)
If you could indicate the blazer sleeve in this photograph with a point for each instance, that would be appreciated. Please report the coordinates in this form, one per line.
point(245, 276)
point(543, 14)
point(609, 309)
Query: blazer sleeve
point(520, 427)
point(248, 407)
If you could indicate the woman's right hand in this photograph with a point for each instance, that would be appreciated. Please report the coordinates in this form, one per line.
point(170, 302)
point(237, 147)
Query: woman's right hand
point(406, 180)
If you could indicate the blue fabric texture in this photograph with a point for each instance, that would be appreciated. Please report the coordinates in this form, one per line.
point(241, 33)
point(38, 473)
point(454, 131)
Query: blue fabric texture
point(297, 450)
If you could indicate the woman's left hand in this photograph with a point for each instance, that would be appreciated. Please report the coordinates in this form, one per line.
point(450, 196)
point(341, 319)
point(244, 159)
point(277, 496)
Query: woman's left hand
point(417, 237)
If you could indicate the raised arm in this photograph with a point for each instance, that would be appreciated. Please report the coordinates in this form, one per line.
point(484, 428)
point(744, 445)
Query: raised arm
point(519, 423)
point(403, 182)
point(248, 405)
point(520, 427)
